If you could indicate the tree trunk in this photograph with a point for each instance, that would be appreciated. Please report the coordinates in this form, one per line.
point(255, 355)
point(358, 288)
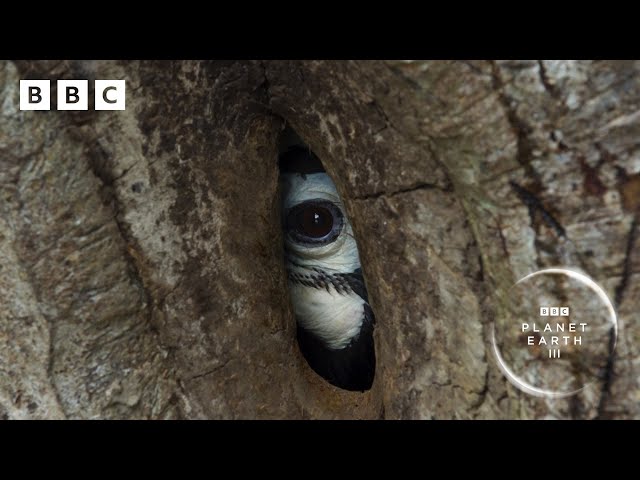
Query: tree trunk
point(141, 271)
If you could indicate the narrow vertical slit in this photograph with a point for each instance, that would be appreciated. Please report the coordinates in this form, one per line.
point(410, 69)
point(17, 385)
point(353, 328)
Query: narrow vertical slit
point(334, 320)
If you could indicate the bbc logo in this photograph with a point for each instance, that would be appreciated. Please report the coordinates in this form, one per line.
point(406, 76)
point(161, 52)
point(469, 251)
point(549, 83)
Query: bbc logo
point(554, 311)
point(72, 95)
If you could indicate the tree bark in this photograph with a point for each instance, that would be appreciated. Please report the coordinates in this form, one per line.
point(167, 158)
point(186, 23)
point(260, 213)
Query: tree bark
point(141, 271)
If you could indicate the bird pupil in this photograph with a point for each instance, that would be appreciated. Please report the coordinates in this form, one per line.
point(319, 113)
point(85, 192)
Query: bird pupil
point(315, 221)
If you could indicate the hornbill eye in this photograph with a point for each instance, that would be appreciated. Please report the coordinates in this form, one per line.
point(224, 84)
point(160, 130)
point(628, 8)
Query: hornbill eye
point(314, 222)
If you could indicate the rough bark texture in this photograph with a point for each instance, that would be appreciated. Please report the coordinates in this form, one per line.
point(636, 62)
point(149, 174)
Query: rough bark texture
point(141, 271)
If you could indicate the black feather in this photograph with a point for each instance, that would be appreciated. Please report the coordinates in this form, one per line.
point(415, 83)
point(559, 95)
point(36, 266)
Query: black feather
point(355, 280)
point(301, 160)
point(351, 368)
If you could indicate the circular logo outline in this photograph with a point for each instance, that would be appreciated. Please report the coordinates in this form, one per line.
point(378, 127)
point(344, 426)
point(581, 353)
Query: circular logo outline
point(520, 383)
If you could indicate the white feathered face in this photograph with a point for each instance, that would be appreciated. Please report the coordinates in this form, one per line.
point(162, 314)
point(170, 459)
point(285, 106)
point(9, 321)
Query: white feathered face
point(317, 231)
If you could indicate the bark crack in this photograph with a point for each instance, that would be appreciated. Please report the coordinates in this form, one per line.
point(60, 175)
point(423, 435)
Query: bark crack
point(265, 86)
point(609, 369)
point(383, 114)
point(549, 86)
point(520, 128)
point(412, 188)
point(605, 392)
point(209, 372)
point(627, 266)
point(534, 204)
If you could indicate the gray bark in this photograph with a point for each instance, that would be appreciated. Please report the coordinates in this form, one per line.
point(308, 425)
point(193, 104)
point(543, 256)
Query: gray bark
point(141, 271)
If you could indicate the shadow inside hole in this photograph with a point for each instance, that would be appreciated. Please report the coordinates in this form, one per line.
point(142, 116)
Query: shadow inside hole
point(334, 320)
